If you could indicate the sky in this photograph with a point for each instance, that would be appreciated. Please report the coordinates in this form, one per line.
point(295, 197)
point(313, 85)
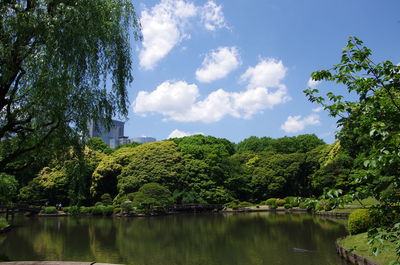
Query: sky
point(234, 68)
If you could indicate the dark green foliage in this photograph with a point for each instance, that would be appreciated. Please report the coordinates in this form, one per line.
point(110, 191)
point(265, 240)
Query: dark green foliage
point(106, 199)
point(287, 206)
point(244, 204)
point(271, 201)
point(102, 210)
point(8, 188)
point(360, 221)
point(153, 196)
point(50, 210)
point(60, 70)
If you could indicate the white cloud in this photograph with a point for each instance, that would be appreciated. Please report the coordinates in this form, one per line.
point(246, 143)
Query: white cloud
point(312, 83)
point(297, 123)
point(162, 29)
point(179, 101)
point(169, 98)
point(318, 109)
point(179, 134)
point(267, 73)
point(212, 16)
point(218, 64)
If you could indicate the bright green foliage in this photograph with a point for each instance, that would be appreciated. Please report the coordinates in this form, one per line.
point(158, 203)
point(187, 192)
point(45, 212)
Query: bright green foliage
point(280, 202)
point(244, 204)
point(296, 144)
point(102, 210)
point(104, 178)
point(98, 144)
point(50, 210)
point(8, 188)
point(287, 206)
point(158, 162)
point(270, 201)
point(56, 57)
point(153, 196)
point(360, 221)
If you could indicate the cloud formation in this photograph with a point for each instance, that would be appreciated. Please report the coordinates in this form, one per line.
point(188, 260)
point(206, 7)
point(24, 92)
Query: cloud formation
point(179, 134)
point(212, 16)
point(218, 64)
point(162, 29)
point(312, 83)
point(267, 73)
point(165, 25)
point(295, 124)
point(180, 101)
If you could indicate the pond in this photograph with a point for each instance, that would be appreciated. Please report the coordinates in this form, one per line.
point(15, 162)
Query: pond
point(184, 239)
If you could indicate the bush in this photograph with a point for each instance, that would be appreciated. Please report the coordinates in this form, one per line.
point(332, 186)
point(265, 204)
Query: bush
point(127, 207)
point(287, 206)
point(117, 210)
point(3, 223)
point(97, 210)
point(232, 205)
point(244, 204)
point(271, 201)
point(280, 202)
point(273, 206)
point(86, 210)
point(98, 204)
point(50, 210)
point(106, 199)
point(360, 221)
point(302, 205)
point(74, 210)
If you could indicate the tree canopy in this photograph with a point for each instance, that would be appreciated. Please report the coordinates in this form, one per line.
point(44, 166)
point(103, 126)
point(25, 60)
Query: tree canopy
point(56, 59)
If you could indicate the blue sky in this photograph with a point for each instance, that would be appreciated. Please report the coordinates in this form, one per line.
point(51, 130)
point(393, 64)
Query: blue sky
point(235, 68)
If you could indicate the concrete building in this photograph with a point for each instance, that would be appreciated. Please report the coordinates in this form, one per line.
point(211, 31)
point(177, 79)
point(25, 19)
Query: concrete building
point(143, 140)
point(113, 137)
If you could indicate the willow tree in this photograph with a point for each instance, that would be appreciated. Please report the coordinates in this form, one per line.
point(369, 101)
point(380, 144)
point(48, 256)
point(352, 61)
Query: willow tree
point(63, 63)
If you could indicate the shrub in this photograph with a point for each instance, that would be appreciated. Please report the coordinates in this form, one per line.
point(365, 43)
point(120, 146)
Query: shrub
point(86, 210)
point(359, 221)
point(3, 223)
point(106, 199)
point(302, 205)
point(74, 210)
point(98, 204)
point(270, 201)
point(98, 210)
point(272, 206)
point(108, 210)
point(50, 210)
point(117, 210)
point(244, 204)
point(232, 205)
point(127, 207)
point(280, 202)
point(287, 206)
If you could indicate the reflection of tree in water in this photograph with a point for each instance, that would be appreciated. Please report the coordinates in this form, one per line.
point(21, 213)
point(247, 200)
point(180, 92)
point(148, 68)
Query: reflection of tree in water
point(234, 239)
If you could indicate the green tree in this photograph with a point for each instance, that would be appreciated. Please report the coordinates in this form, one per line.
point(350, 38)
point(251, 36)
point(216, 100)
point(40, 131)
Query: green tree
point(153, 196)
point(8, 188)
point(56, 59)
point(98, 144)
point(370, 125)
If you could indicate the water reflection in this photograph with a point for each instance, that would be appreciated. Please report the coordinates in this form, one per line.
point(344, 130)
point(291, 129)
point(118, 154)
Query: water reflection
point(206, 239)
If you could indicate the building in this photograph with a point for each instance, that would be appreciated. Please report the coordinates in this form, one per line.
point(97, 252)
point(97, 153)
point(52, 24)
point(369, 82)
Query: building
point(143, 140)
point(113, 137)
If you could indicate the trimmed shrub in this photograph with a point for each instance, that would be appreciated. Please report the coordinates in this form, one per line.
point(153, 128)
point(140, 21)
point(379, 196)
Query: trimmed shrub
point(108, 210)
point(97, 210)
point(86, 210)
point(244, 204)
point(117, 210)
point(50, 210)
point(74, 210)
point(280, 202)
point(98, 204)
point(302, 205)
point(106, 199)
point(360, 221)
point(271, 201)
point(232, 205)
point(127, 207)
point(287, 206)
point(273, 206)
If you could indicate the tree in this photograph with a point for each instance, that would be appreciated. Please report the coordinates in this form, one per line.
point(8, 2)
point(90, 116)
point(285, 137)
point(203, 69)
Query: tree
point(8, 188)
point(153, 196)
point(56, 59)
point(370, 126)
point(98, 144)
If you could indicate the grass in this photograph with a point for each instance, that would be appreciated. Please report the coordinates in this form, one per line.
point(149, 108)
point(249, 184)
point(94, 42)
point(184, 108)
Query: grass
point(359, 244)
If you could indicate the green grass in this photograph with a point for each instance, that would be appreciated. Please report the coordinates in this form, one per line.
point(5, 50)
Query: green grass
point(359, 244)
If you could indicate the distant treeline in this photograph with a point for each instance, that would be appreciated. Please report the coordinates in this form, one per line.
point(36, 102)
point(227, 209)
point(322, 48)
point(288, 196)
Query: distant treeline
point(195, 169)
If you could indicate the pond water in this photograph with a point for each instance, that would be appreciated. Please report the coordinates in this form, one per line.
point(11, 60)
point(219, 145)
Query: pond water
point(184, 239)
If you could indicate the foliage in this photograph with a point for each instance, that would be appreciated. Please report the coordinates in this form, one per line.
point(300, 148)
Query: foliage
point(271, 201)
point(98, 144)
point(153, 196)
point(370, 125)
point(8, 188)
point(102, 210)
point(56, 68)
point(50, 210)
point(3, 223)
point(233, 205)
point(359, 221)
point(280, 202)
point(287, 206)
point(106, 199)
point(244, 204)
point(104, 178)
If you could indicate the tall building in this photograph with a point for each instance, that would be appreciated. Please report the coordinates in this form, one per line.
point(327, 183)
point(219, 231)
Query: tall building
point(113, 137)
point(143, 140)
